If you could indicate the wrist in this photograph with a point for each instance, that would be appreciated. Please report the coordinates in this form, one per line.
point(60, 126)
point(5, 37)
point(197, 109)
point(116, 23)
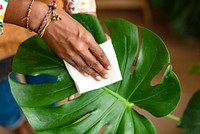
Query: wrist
point(39, 10)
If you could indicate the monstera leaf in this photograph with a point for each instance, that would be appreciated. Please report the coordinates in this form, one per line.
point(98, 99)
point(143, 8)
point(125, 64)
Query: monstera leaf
point(190, 122)
point(109, 109)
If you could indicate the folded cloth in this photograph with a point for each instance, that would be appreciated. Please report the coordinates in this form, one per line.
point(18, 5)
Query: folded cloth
point(85, 84)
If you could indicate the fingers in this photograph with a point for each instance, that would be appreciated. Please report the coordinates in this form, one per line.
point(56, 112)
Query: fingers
point(94, 63)
point(73, 43)
point(71, 62)
point(79, 63)
point(94, 51)
point(100, 56)
point(89, 58)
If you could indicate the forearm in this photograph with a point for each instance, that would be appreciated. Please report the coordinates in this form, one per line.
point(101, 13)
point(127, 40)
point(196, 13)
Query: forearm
point(66, 37)
point(17, 10)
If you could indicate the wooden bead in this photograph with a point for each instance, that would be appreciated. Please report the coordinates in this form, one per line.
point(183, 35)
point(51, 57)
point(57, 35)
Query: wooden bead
point(54, 6)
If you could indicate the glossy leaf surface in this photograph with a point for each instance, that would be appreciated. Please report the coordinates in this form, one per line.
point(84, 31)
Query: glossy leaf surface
point(111, 107)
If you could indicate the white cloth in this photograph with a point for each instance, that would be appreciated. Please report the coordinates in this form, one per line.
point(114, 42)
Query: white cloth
point(85, 84)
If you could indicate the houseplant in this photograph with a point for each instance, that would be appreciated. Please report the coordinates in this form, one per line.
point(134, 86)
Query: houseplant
point(190, 121)
point(183, 16)
point(110, 109)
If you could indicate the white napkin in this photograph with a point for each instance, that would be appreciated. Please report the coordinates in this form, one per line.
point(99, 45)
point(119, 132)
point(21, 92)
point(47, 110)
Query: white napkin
point(85, 84)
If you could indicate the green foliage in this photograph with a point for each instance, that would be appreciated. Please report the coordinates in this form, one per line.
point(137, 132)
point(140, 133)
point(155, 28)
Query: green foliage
point(195, 68)
point(110, 107)
point(183, 15)
point(190, 122)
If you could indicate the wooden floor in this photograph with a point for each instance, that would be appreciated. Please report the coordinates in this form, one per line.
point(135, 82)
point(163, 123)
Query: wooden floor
point(184, 53)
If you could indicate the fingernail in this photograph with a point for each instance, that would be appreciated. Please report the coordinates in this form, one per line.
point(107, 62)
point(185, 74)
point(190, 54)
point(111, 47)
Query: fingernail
point(85, 74)
point(108, 67)
point(98, 78)
point(106, 76)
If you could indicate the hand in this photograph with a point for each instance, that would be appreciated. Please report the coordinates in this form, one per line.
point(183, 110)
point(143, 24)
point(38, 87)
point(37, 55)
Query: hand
point(73, 43)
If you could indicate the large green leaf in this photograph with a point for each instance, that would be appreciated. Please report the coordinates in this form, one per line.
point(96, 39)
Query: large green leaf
point(111, 107)
point(190, 122)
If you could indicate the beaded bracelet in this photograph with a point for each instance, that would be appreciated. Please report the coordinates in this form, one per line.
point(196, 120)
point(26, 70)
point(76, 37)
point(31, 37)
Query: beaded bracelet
point(51, 15)
point(51, 6)
point(28, 16)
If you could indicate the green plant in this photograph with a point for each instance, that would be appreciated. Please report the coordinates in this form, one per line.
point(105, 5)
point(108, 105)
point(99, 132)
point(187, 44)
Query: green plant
point(195, 68)
point(111, 108)
point(190, 121)
point(183, 15)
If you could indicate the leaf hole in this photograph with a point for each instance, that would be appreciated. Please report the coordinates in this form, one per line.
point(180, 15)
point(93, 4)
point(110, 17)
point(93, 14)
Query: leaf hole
point(134, 64)
point(103, 129)
point(70, 98)
point(64, 100)
point(33, 79)
point(157, 79)
point(39, 79)
point(82, 118)
point(21, 78)
point(138, 51)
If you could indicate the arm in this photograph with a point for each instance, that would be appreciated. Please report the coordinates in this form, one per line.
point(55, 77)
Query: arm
point(69, 40)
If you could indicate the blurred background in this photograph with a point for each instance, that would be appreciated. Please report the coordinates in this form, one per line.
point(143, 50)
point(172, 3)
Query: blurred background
point(175, 21)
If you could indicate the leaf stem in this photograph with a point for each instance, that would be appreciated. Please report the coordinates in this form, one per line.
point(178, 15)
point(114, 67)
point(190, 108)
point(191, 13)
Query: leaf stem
point(118, 97)
point(173, 117)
